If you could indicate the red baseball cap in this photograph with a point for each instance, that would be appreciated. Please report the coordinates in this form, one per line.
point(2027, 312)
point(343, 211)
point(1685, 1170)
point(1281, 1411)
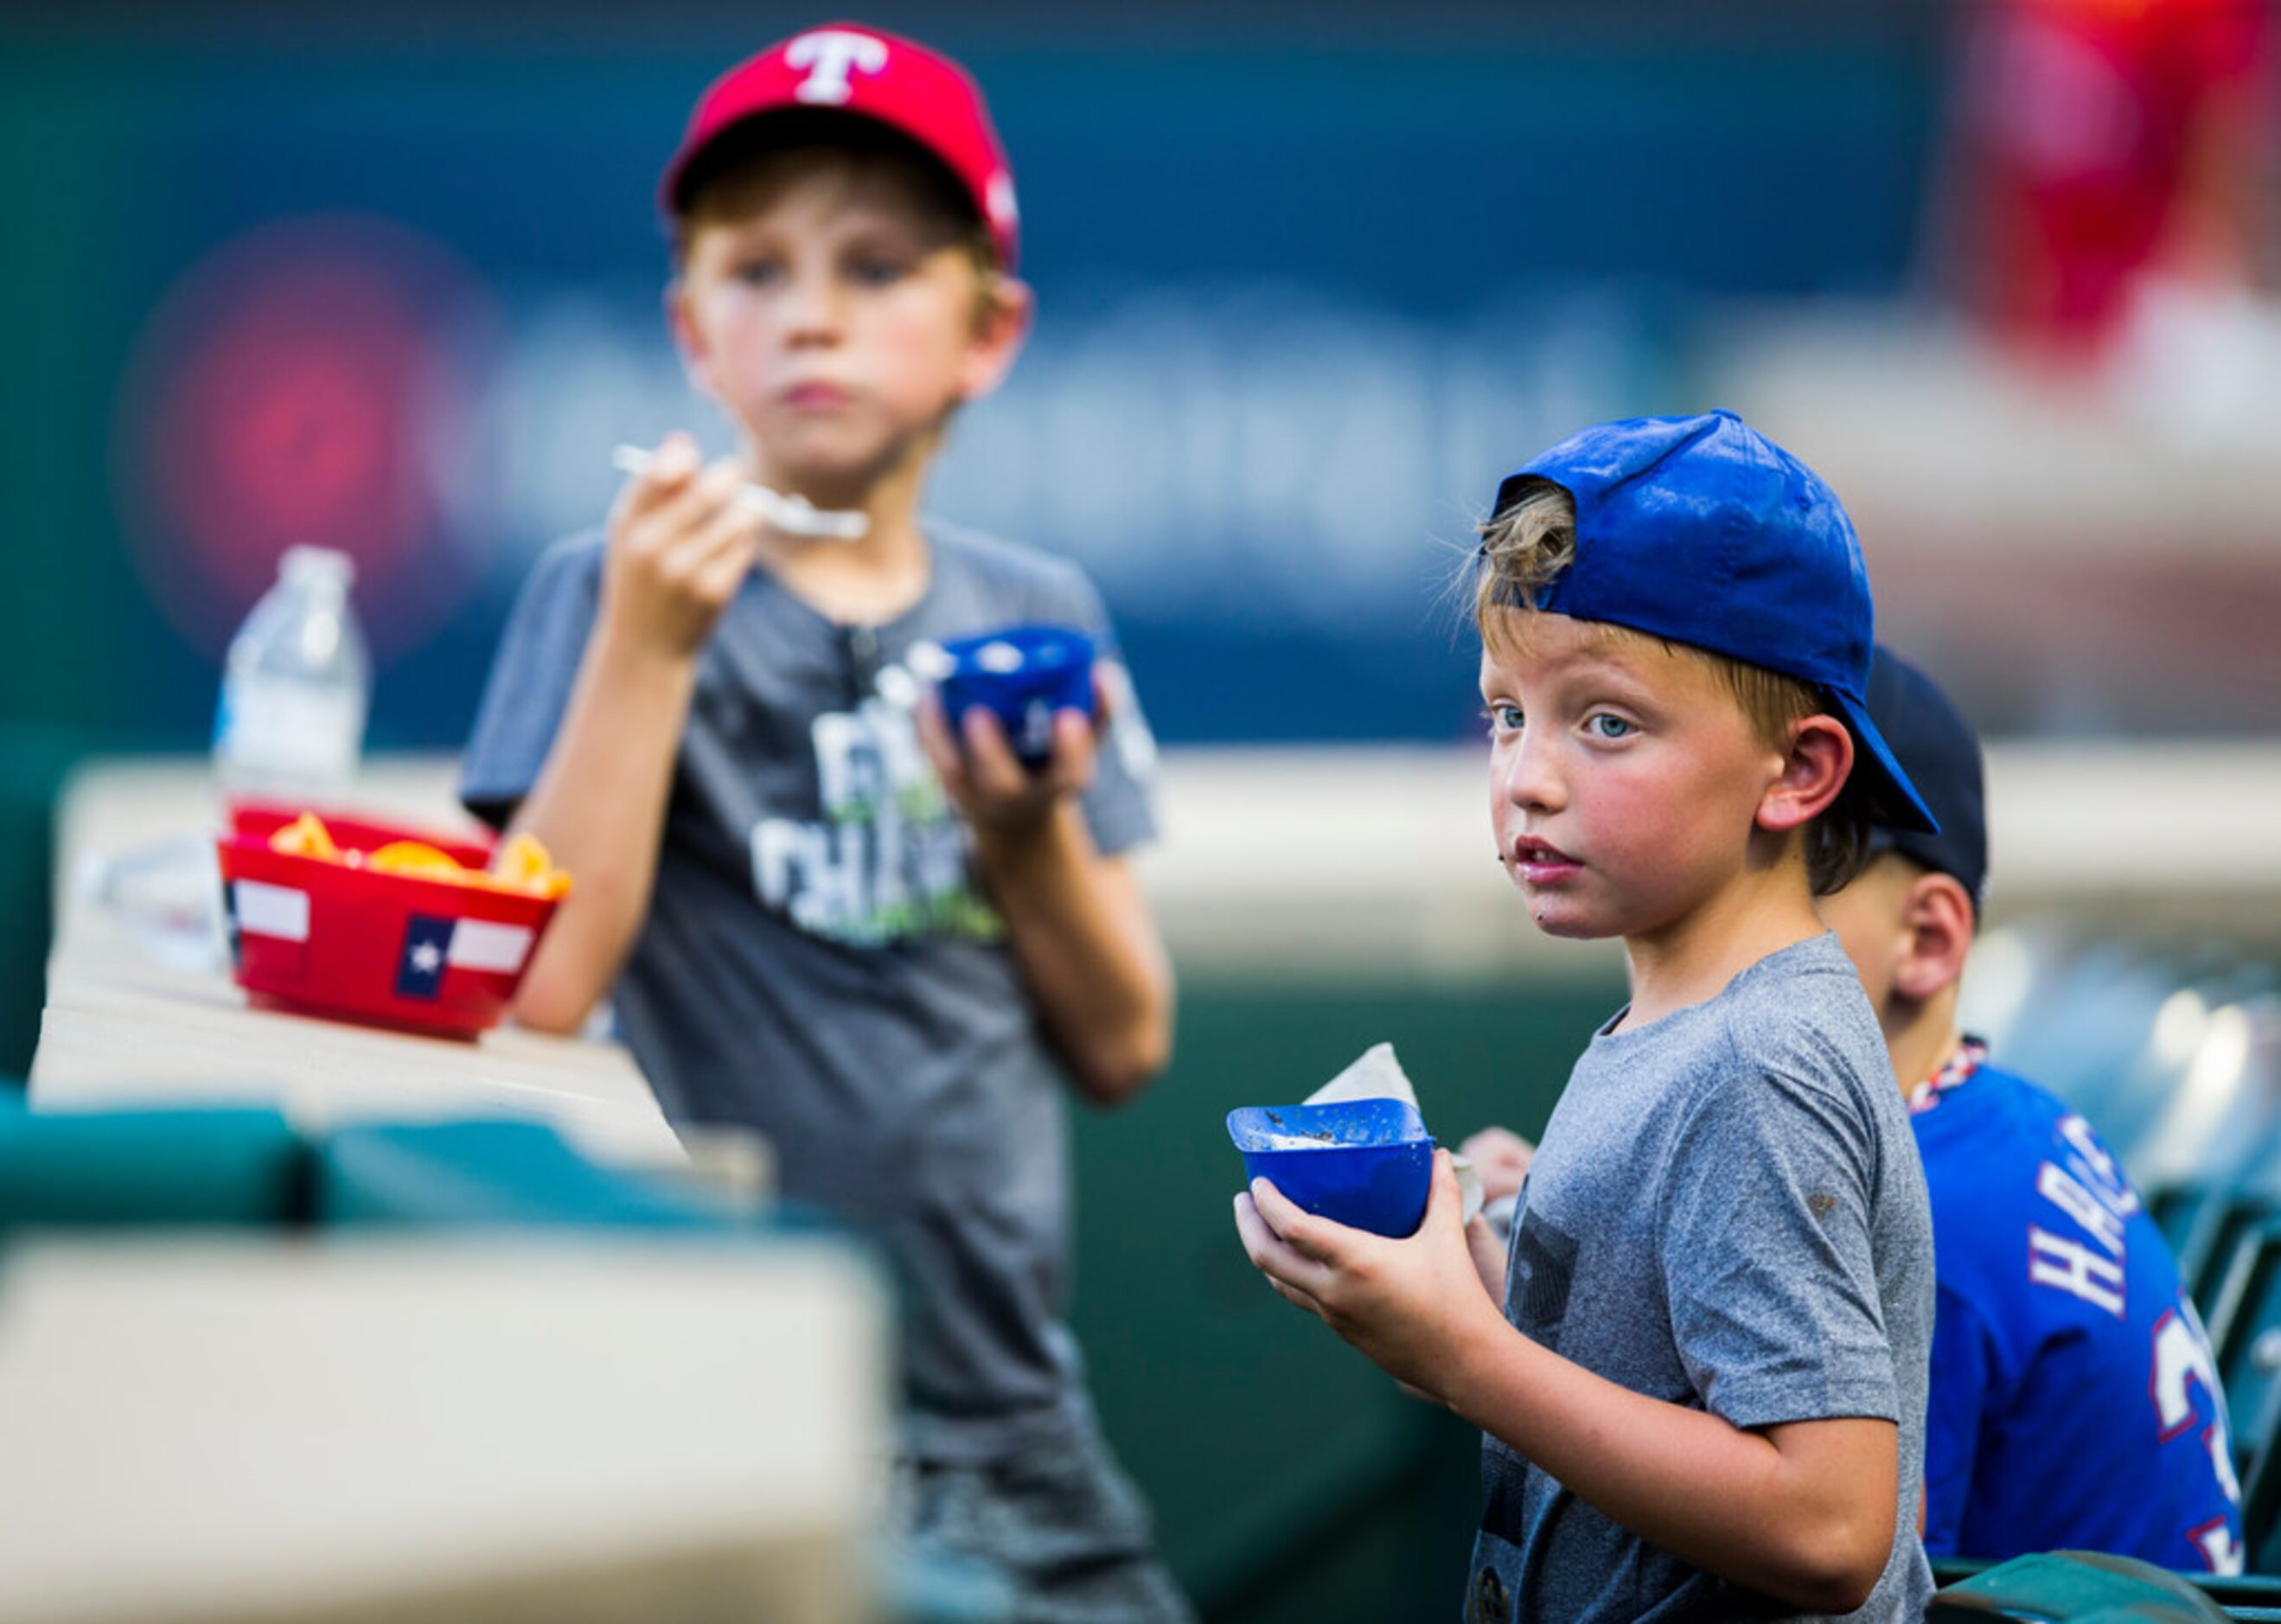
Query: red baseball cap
point(845, 68)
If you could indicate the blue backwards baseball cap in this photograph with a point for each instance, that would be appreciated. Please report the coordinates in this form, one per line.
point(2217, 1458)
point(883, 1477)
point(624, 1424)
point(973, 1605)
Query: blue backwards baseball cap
point(1703, 530)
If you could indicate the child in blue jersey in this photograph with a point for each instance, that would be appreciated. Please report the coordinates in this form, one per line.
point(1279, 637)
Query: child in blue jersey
point(2075, 1403)
point(1700, 1373)
point(819, 907)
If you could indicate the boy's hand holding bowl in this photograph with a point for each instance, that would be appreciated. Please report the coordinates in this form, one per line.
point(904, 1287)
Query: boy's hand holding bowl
point(1012, 729)
point(1414, 1306)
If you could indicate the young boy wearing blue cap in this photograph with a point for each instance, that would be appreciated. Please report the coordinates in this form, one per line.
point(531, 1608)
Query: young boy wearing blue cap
point(1704, 1396)
point(2075, 1403)
point(816, 912)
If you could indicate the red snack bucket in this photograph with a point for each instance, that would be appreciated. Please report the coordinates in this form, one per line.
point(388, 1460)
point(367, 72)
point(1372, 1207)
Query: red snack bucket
point(328, 938)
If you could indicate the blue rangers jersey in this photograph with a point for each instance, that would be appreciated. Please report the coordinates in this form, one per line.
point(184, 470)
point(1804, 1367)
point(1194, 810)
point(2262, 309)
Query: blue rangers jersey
point(2075, 1403)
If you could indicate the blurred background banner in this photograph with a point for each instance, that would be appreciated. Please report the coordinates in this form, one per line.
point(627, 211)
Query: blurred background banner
point(1310, 284)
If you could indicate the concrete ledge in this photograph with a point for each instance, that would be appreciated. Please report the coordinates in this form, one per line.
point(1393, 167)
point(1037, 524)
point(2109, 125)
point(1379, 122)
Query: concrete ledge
point(1380, 861)
point(1283, 864)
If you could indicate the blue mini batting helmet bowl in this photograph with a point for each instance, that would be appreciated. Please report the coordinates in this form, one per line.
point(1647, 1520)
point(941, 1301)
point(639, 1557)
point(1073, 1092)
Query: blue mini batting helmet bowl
point(1703, 530)
point(1022, 674)
point(1367, 1163)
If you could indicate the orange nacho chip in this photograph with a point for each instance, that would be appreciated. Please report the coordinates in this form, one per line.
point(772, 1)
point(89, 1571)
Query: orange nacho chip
point(419, 860)
point(522, 865)
point(306, 837)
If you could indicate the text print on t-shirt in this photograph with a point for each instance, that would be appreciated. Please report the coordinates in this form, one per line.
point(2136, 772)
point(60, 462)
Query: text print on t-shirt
point(888, 858)
point(2096, 1204)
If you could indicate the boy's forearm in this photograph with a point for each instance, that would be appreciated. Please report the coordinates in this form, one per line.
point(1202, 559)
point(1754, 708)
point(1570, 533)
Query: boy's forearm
point(1088, 949)
point(1492, 1256)
point(1803, 1527)
point(600, 808)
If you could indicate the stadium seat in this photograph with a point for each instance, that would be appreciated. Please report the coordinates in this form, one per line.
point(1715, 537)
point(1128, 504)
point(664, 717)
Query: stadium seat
point(208, 1167)
point(2082, 1029)
point(2176, 1208)
point(2120, 1030)
point(478, 1174)
point(2208, 1252)
point(190, 1168)
point(2244, 1330)
point(2245, 1339)
point(2057, 1586)
point(2220, 1124)
point(2256, 1438)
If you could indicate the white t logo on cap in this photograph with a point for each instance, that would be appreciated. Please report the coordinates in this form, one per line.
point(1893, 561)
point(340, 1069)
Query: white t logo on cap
point(998, 198)
point(830, 55)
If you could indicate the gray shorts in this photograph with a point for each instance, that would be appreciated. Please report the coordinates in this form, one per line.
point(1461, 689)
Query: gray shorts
point(1058, 1521)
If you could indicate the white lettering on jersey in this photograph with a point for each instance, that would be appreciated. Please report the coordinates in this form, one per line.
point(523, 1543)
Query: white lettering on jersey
point(2055, 1183)
point(2182, 1357)
point(2219, 1545)
point(830, 55)
point(2054, 1260)
point(2097, 1168)
point(2182, 1360)
point(2195, 1348)
point(2221, 1454)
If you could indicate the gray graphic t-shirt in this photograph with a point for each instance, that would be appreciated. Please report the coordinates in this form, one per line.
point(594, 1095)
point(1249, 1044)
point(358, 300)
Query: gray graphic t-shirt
point(1727, 1213)
point(819, 964)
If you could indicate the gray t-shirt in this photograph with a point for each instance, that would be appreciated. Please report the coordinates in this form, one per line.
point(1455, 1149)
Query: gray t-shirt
point(818, 962)
point(1727, 1213)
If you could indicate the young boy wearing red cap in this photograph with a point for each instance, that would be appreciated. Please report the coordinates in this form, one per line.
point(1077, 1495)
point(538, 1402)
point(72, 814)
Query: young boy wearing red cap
point(816, 908)
point(1704, 1395)
point(2075, 1403)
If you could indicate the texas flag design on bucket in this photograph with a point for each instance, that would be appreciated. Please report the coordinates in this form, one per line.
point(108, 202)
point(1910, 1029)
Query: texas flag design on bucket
point(437, 960)
point(335, 937)
point(268, 928)
point(436, 949)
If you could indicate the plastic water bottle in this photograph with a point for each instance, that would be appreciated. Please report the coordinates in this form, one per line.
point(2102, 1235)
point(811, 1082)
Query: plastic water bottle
point(294, 688)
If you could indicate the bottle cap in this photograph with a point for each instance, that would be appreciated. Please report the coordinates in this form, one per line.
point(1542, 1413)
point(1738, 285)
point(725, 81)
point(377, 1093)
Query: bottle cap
point(317, 567)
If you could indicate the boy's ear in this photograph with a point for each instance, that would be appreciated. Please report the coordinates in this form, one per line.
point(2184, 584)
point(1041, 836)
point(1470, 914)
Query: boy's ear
point(1814, 767)
point(1001, 325)
point(1937, 917)
point(688, 338)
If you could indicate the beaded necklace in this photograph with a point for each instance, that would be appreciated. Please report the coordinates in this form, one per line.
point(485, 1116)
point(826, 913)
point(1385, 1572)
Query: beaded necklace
point(1958, 1069)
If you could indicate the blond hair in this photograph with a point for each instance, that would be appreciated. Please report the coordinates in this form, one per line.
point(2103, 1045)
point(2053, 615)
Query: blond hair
point(1531, 541)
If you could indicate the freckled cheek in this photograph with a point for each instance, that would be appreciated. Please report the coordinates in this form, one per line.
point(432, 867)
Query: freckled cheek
point(1685, 845)
point(1622, 838)
point(1500, 823)
point(1503, 816)
point(1640, 821)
